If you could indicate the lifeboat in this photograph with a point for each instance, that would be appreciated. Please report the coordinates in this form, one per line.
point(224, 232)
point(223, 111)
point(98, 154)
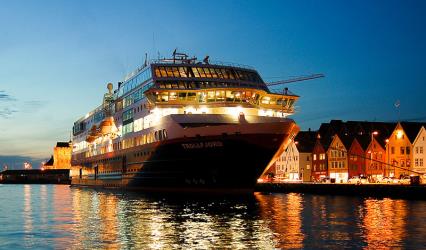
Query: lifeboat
point(107, 126)
point(93, 134)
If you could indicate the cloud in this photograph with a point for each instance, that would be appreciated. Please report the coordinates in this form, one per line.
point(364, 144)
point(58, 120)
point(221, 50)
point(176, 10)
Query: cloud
point(6, 109)
point(5, 97)
point(10, 105)
point(33, 106)
point(6, 112)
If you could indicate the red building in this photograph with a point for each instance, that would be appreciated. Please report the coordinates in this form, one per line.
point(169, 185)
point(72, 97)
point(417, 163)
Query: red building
point(356, 157)
point(319, 162)
point(376, 159)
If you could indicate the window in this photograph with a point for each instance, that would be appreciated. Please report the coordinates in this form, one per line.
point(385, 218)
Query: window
point(407, 150)
point(392, 150)
point(421, 150)
point(307, 158)
point(421, 162)
point(402, 150)
point(315, 157)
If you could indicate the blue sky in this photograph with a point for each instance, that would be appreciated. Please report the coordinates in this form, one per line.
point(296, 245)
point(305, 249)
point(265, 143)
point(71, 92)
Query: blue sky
point(57, 56)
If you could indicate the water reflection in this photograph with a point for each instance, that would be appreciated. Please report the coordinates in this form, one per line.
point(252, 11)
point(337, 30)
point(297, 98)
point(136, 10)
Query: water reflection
point(61, 217)
point(134, 221)
point(28, 217)
point(384, 222)
point(282, 214)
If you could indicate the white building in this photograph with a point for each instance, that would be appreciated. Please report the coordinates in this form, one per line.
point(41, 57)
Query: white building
point(287, 165)
point(419, 153)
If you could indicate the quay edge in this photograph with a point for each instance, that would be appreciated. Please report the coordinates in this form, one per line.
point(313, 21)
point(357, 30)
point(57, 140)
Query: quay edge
point(417, 192)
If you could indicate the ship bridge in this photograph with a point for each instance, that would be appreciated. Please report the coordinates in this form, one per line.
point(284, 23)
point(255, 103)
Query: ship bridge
point(187, 83)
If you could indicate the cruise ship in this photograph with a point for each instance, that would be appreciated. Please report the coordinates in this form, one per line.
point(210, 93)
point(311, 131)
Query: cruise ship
point(181, 124)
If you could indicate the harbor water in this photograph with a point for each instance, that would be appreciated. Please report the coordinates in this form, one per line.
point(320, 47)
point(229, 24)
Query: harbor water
point(61, 217)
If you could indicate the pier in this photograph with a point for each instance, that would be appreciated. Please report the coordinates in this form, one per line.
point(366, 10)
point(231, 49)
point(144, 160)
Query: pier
point(417, 192)
point(35, 176)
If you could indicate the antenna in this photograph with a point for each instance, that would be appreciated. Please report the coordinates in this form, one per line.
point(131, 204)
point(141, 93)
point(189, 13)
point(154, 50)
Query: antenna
point(206, 60)
point(174, 55)
point(146, 60)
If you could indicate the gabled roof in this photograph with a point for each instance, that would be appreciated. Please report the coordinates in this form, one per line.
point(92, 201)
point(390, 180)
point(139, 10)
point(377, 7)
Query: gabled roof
point(411, 129)
point(363, 140)
point(346, 140)
point(305, 141)
point(354, 129)
point(418, 134)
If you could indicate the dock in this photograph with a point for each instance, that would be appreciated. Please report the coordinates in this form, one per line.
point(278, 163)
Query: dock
point(35, 176)
point(399, 191)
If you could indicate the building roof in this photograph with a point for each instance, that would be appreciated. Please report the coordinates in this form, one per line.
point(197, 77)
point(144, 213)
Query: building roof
point(63, 144)
point(346, 140)
point(49, 162)
point(305, 141)
point(354, 129)
point(412, 129)
point(363, 140)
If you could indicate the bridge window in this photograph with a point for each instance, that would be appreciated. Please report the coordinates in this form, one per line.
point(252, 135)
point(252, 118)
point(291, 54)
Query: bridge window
point(192, 96)
point(182, 96)
point(172, 96)
point(210, 96)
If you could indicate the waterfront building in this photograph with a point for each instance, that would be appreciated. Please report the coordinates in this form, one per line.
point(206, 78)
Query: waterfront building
point(319, 161)
point(375, 158)
point(399, 151)
point(337, 158)
point(356, 159)
point(61, 158)
point(287, 165)
point(305, 142)
point(419, 153)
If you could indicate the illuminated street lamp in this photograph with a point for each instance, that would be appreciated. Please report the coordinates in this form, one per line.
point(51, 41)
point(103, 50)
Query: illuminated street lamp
point(387, 157)
point(372, 148)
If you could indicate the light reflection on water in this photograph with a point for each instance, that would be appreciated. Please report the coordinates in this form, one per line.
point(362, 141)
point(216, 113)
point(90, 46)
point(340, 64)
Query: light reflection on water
point(59, 217)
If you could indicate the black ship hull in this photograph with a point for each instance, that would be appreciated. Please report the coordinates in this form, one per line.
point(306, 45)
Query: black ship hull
point(225, 163)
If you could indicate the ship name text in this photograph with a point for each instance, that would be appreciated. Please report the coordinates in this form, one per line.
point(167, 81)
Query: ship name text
point(198, 145)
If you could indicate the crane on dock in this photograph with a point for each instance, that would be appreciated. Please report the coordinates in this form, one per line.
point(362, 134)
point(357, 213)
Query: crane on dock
point(296, 79)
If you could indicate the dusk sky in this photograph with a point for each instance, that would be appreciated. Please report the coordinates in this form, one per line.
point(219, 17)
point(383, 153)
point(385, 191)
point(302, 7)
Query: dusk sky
point(57, 56)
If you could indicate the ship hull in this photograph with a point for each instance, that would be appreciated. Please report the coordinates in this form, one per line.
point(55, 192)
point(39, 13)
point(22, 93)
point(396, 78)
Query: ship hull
point(225, 163)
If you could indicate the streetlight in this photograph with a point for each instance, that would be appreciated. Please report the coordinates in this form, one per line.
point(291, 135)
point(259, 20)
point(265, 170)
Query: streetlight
point(372, 147)
point(387, 157)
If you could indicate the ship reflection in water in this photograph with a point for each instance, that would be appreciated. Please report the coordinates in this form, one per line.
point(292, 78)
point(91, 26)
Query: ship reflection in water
point(49, 216)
